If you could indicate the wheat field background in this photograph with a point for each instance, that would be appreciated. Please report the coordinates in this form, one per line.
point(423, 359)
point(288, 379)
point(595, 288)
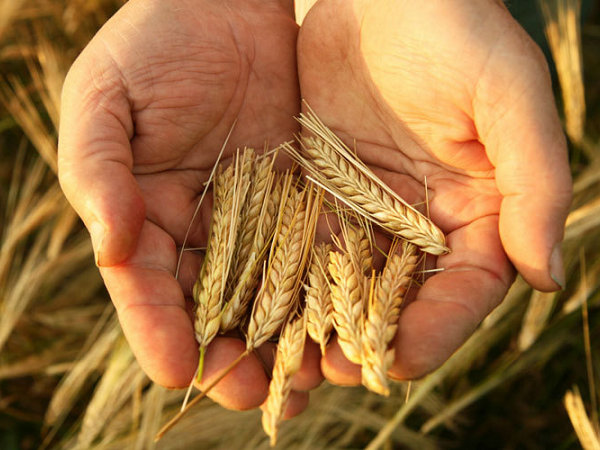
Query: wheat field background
point(528, 378)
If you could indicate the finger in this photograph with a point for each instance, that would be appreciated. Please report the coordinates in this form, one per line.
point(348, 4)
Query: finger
point(309, 376)
point(245, 387)
point(191, 263)
point(337, 369)
point(95, 160)
point(517, 121)
point(296, 403)
point(152, 309)
point(451, 304)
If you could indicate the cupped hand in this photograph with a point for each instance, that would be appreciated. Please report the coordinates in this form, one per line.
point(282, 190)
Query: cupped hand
point(146, 109)
point(454, 93)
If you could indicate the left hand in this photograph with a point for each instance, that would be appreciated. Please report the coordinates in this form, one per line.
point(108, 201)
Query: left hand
point(457, 93)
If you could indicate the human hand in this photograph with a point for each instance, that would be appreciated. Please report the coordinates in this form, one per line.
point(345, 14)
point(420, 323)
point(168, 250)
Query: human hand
point(457, 93)
point(146, 109)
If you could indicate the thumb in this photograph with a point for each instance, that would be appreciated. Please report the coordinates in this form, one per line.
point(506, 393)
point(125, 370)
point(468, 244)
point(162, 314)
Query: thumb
point(516, 118)
point(95, 159)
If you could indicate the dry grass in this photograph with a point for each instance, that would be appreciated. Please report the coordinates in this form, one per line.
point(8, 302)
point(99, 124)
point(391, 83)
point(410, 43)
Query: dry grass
point(585, 429)
point(563, 32)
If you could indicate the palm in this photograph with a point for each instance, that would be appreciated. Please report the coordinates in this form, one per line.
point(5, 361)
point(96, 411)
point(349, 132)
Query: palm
point(189, 86)
point(410, 87)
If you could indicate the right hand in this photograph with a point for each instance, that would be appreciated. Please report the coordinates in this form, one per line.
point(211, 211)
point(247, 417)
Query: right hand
point(146, 109)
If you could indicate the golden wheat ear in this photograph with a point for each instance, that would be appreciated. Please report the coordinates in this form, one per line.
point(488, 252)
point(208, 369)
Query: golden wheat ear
point(347, 301)
point(288, 360)
point(319, 308)
point(383, 313)
point(256, 229)
point(230, 189)
point(333, 166)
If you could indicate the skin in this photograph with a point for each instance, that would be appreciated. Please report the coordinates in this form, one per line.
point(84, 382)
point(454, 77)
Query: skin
point(453, 92)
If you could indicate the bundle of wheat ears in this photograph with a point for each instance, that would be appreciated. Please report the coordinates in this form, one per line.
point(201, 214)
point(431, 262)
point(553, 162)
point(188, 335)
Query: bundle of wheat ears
point(264, 274)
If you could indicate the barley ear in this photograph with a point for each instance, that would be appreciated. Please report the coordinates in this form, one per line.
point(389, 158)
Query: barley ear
point(288, 360)
point(333, 166)
point(382, 320)
point(209, 288)
point(318, 296)
point(346, 298)
point(245, 281)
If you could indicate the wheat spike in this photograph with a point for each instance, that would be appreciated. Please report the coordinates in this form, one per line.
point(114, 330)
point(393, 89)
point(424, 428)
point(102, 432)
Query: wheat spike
point(382, 319)
point(209, 288)
point(288, 360)
point(277, 294)
point(334, 167)
point(257, 178)
point(247, 280)
point(347, 301)
point(318, 297)
point(358, 247)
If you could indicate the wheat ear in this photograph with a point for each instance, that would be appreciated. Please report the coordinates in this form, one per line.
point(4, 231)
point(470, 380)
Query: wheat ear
point(347, 301)
point(288, 360)
point(289, 254)
point(210, 285)
point(382, 319)
point(333, 166)
point(256, 174)
point(247, 279)
point(358, 247)
point(277, 295)
point(318, 296)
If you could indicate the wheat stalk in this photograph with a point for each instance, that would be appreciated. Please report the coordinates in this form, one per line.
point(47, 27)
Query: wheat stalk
point(347, 301)
point(382, 319)
point(318, 297)
point(334, 167)
point(288, 360)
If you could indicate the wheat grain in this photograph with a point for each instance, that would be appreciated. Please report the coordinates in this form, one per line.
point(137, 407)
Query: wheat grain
point(288, 361)
point(347, 301)
point(382, 319)
point(318, 296)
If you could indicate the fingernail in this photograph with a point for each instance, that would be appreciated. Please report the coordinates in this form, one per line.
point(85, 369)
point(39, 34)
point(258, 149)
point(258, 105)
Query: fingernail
point(557, 270)
point(97, 234)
